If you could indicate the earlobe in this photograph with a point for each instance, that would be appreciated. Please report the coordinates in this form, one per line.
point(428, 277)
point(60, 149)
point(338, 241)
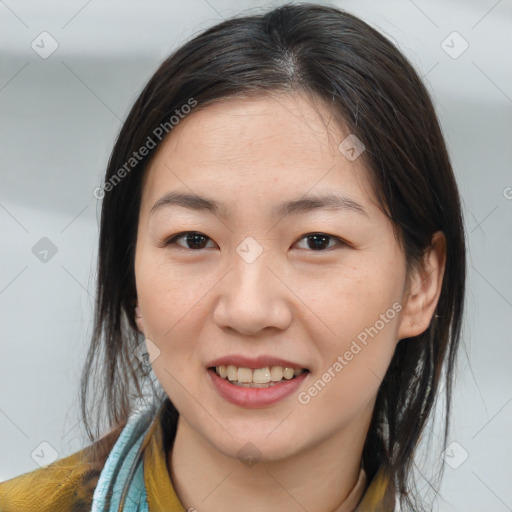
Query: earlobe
point(138, 319)
point(420, 301)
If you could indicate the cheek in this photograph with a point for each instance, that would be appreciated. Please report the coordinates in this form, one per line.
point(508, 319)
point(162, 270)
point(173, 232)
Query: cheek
point(166, 292)
point(356, 340)
point(345, 302)
point(348, 381)
point(167, 303)
point(172, 292)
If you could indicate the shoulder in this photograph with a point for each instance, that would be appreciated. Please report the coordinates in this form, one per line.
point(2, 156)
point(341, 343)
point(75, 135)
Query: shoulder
point(67, 484)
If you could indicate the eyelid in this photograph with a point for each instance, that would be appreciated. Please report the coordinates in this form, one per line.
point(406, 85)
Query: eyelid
point(340, 241)
point(172, 240)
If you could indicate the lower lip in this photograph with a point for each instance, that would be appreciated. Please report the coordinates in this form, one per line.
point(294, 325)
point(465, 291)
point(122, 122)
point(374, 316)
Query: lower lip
point(253, 398)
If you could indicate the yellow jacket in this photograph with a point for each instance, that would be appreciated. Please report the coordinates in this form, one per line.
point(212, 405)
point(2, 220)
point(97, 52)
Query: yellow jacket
point(68, 484)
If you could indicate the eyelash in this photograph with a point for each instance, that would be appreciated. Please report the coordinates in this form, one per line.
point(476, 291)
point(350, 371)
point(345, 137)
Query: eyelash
point(172, 240)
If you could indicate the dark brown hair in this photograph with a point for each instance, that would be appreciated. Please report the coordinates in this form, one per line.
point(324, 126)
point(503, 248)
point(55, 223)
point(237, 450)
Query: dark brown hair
point(371, 88)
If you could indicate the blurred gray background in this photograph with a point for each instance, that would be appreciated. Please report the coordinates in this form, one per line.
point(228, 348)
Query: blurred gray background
point(69, 73)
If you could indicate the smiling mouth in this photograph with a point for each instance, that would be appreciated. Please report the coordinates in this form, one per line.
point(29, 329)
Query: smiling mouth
point(257, 377)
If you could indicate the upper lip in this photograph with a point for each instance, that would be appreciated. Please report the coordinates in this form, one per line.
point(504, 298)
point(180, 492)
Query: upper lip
point(262, 361)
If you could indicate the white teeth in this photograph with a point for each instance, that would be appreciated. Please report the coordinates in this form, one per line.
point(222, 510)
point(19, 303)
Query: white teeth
point(232, 372)
point(244, 375)
point(288, 373)
point(260, 377)
point(276, 373)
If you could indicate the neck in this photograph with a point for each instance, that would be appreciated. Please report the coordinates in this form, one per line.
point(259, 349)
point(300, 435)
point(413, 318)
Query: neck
point(318, 478)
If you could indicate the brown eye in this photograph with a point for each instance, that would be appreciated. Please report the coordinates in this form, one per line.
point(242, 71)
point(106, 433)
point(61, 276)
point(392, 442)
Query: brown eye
point(193, 240)
point(320, 241)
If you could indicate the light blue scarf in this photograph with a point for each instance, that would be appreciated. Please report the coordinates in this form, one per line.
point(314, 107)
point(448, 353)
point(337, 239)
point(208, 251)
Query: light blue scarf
point(117, 469)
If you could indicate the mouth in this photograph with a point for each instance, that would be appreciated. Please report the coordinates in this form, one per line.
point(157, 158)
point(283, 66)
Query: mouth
point(254, 382)
point(264, 377)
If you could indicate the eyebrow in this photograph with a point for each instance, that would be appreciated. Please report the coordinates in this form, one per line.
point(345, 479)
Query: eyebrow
point(302, 205)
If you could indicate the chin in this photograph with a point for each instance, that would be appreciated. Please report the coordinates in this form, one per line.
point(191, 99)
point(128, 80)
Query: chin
point(258, 446)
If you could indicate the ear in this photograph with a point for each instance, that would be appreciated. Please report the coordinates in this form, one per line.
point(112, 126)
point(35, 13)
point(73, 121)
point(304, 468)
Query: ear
point(138, 318)
point(422, 295)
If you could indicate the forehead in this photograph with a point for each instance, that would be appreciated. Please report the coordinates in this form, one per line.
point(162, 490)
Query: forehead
point(257, 147)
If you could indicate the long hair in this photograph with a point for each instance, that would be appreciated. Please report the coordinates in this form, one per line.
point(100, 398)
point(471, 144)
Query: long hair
point(374, 91)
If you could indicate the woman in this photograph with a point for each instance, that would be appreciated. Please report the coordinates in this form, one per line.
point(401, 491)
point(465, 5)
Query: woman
point(282, 247)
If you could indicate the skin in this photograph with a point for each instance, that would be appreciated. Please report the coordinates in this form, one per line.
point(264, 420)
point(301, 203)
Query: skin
point(293, 301)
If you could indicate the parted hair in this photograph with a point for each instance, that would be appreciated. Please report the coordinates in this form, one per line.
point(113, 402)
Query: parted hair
point(374, 91)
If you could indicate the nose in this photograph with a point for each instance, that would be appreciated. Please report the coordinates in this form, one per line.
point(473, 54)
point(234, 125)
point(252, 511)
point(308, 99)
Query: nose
point(253, 298)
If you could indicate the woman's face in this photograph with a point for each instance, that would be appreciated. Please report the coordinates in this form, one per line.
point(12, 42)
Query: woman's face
point(252, 291)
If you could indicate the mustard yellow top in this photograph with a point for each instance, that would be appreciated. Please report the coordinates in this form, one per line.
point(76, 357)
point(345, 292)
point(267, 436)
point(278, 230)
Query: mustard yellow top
point(68, 484)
